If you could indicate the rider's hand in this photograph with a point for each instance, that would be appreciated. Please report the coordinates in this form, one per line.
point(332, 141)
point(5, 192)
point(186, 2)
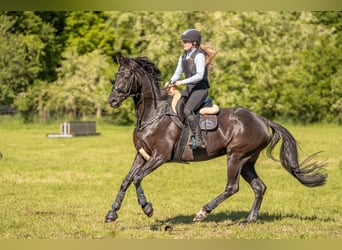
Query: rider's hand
point(178, 83)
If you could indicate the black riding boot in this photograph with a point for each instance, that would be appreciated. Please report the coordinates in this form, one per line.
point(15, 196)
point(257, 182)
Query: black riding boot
point(193, 121)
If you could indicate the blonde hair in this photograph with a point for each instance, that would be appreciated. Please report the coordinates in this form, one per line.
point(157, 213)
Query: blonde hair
point(210, 54)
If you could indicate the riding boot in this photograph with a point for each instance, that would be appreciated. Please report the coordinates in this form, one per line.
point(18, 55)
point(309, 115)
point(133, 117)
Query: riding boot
point(198, 142)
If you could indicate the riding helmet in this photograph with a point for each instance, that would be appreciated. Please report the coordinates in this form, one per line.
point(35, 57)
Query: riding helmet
point(192, 35)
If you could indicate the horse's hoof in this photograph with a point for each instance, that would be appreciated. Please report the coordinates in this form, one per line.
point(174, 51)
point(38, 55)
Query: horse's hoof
point(243, 222)
point(111, 216)
point(201, 215)
point(148, 209)
point(253, 215)
point(246, 221)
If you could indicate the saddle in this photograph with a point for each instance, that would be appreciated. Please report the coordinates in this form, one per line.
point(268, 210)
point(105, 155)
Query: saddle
point(208, 111)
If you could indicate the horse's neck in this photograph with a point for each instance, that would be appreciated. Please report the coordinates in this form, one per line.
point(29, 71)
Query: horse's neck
point(150, 105)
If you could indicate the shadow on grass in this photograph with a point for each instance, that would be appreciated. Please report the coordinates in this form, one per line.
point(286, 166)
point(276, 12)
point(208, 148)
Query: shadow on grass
point(231, 218)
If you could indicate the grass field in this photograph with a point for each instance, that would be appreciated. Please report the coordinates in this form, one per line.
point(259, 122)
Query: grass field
point(63, 188)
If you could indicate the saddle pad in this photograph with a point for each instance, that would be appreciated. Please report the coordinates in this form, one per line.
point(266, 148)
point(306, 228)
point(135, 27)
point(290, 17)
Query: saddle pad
point(208, 122)
point(213, 110)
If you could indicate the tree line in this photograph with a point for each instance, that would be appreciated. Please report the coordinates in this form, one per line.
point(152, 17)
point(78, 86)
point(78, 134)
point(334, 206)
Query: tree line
point(282, 65)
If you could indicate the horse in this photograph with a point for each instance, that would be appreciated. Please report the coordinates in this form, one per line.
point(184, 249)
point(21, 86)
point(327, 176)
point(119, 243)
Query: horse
point(241, 135)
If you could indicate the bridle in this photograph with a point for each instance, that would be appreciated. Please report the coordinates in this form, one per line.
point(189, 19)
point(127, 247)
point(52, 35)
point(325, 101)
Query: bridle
point(125, 93)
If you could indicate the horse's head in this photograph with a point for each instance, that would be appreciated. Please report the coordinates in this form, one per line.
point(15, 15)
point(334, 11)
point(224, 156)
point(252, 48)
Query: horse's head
point(125, 82)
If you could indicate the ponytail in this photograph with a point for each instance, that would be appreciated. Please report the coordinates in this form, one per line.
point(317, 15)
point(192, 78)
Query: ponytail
point(209, 55)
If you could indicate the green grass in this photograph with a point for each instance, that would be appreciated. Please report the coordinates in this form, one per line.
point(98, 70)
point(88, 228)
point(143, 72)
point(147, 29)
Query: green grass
point(63, 188)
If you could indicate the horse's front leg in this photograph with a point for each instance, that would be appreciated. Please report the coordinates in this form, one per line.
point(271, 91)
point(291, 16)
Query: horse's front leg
point(149, 167)
point(146, 206)
point(137, 164)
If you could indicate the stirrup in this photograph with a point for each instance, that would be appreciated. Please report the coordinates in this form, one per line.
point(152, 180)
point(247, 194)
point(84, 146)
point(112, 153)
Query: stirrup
point(194, 145)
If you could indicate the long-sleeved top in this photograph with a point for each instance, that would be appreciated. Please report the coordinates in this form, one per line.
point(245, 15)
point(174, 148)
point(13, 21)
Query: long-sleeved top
point(200, 69)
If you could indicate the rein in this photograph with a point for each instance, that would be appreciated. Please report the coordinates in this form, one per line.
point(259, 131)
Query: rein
point(143, 96)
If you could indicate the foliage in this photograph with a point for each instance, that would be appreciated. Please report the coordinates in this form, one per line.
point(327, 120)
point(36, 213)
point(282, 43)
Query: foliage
point(283, 65)
point(20, 60)
point(81, 85)
point(274, 60)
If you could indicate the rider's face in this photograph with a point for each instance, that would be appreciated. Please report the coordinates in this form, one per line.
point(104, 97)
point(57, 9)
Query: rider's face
point(187, 45)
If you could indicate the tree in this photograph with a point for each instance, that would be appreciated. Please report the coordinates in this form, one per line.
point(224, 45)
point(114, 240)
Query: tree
point(268, 60)
point(20, 59)
point(282, 65)
point(54, 40)
point(86, 31)
point(81, 85)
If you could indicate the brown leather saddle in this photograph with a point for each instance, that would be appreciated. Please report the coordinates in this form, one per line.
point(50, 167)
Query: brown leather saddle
point(208, 111)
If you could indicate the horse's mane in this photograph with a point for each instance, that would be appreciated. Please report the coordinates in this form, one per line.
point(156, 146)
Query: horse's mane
point(149, 67)
point(154, 72)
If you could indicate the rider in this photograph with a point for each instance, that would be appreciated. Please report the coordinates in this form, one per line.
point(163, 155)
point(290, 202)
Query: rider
point(193, 64)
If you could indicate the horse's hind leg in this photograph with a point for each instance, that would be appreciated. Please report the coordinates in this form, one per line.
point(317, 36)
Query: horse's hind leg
point(234, 166)
point(259, 188)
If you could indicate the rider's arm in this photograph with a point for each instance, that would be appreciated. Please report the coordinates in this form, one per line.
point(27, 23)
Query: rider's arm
point(179, 70)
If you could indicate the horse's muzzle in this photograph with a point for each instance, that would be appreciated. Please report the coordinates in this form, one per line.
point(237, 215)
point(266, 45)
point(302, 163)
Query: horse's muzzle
point(114, 102)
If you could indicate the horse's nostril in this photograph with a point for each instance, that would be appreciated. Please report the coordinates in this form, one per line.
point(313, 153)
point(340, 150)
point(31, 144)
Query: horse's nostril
point(114, 103)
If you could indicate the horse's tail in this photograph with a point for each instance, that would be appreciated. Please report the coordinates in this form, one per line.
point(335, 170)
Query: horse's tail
point(308, 172)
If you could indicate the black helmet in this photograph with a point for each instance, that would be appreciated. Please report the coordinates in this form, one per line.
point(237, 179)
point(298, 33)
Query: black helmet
point(192, 35)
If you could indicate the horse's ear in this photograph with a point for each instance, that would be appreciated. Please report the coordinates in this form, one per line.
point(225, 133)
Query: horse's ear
point(118, 57)
point(121, 59)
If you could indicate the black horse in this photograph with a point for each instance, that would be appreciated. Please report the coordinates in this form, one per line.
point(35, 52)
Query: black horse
point(241, 135)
